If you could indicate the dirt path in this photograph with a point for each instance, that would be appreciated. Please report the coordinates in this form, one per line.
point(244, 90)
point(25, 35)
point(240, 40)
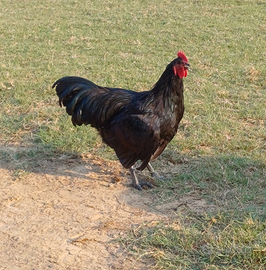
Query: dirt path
point(67, 215)
point(69, 212)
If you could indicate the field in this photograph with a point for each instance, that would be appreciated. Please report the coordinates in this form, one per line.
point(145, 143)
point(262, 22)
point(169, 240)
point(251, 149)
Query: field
point(209, 212)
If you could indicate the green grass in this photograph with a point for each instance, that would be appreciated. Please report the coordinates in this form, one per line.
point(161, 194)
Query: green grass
point(219, 152)
point(229, 183)
point(209, 242)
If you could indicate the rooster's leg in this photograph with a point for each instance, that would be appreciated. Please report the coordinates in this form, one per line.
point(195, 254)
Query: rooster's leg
point(135, 182)
point(153, 172)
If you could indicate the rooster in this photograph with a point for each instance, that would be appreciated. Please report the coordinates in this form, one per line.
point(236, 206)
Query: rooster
point(137, 125)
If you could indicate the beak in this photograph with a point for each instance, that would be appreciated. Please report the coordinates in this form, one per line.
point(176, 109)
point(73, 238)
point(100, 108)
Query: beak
point(187, 66)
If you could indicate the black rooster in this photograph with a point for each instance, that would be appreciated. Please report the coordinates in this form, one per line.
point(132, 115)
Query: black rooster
point(137, 125)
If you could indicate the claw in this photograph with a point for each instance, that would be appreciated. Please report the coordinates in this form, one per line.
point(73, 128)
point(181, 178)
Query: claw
point(146, 184)
point(135, 182)
point(138, 187)
point(141, 185)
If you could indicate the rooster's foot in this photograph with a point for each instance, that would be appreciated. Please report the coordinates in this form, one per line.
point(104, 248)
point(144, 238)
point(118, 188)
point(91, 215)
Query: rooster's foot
point(135, 182)
point(142, 185)
point(153, 173)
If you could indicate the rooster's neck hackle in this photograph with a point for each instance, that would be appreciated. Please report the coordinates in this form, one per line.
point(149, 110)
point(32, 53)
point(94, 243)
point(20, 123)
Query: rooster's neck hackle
point(169, 86)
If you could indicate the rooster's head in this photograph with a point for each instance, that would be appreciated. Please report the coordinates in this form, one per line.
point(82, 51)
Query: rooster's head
point(181, 65)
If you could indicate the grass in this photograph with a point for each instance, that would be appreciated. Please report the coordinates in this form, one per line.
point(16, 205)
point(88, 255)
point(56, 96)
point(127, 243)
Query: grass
point(209, 242)
point(227, 182)
point(220, 149)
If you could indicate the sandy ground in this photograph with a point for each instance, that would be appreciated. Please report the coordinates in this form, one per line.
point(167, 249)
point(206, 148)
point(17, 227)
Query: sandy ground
point(70, 212)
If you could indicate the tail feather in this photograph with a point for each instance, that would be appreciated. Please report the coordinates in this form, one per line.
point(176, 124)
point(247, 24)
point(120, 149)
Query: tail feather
point(72, 80)
point(70, 106)
point(66, 91)
point(89, 103)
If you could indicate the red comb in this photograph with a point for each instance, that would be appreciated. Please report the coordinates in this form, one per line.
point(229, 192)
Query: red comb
point(182, 55)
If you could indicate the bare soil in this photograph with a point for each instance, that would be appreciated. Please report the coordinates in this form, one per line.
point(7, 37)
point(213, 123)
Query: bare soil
point(69, 214)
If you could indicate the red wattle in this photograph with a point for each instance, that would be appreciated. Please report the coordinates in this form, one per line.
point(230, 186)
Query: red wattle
point(182, 72)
